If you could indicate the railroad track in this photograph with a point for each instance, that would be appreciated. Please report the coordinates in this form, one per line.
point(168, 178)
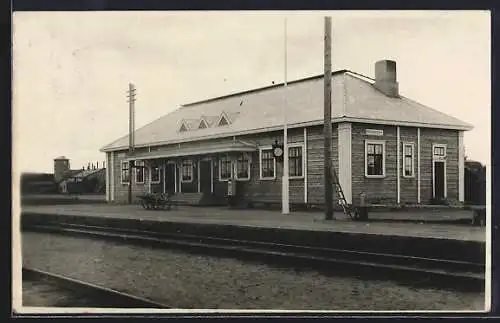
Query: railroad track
point(86, 293)
point(429, 272)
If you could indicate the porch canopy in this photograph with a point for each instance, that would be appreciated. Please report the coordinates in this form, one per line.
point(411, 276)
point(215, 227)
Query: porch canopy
point(202, 149)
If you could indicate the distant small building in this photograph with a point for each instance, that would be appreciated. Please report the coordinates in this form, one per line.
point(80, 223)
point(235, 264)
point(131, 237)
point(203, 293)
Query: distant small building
point(84, 180)
point(65, 180)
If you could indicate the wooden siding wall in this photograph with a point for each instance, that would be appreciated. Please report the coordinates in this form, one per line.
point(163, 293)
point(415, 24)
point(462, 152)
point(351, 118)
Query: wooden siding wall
point(385, 189)
point(409, 185)
point(436, 136)
point(374, 188)
point(315, 164)
point(270, 190)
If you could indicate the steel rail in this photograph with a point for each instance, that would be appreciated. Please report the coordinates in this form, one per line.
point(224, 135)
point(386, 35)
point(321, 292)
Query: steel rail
point(109, 298)
point(378, 256)
point(393, 264)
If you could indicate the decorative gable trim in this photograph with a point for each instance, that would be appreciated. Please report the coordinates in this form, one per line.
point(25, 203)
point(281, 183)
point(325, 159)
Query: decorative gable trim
point(203, 123)
point(184, 126)
point(224, 120)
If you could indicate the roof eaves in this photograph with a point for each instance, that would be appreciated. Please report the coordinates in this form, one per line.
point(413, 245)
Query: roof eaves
point(228, 134)
point(464, 127)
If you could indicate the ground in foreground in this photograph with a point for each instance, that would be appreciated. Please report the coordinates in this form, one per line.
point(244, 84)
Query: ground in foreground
point(190, 281)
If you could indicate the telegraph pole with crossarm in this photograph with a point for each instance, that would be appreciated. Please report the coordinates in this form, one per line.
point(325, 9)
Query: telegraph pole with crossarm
point(131, 101)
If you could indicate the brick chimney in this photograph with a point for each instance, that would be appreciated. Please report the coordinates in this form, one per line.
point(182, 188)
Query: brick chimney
point(385, 78)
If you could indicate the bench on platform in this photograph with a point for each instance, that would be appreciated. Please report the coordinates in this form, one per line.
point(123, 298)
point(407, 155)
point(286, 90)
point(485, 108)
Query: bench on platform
point(165, 201)
point(155, 201)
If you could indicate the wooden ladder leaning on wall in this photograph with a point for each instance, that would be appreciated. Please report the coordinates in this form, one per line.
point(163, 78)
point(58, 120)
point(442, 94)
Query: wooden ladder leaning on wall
point(347, 208)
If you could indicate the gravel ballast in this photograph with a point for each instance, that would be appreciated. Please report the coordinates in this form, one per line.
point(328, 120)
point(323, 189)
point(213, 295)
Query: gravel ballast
point(190, 281)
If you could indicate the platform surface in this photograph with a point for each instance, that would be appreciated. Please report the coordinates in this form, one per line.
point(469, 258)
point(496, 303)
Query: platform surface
point(81, 197)
point(309, 221)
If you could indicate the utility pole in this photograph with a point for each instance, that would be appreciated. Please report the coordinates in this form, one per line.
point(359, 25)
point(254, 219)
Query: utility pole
point(131, 101)
point(285, 179)
point(328, 121)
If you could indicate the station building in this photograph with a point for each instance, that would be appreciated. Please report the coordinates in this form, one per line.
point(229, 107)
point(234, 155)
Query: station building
point(390, 148)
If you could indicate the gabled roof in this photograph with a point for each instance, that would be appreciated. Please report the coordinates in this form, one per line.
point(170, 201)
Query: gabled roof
point(353, 99)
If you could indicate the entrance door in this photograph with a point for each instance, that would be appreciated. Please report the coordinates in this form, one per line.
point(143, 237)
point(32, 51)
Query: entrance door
point(170, 179)
point(206, 177)
point(439, 179)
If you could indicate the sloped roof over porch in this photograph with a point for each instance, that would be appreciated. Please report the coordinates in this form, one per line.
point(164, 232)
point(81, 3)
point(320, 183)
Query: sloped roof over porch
point(217, 148)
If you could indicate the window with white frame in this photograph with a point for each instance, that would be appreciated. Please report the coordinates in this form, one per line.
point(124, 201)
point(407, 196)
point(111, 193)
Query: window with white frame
point(440, 151)
point(295, 161)
point(374, 158)
point(267, 164)
point(225, 168)
point(187, 171)
point(243, 167)
point(125, 174)
point(408, 158)
point(155, 174)
point(139, 171)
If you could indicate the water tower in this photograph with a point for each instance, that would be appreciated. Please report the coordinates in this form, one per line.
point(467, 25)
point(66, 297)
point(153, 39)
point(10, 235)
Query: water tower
point(61, 166)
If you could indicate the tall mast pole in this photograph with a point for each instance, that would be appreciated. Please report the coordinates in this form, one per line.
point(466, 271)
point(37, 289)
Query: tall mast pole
point(328, 121)
point(285, 179)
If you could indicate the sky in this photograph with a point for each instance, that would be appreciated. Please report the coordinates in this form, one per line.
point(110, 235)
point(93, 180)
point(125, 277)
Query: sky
point(71, 70)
